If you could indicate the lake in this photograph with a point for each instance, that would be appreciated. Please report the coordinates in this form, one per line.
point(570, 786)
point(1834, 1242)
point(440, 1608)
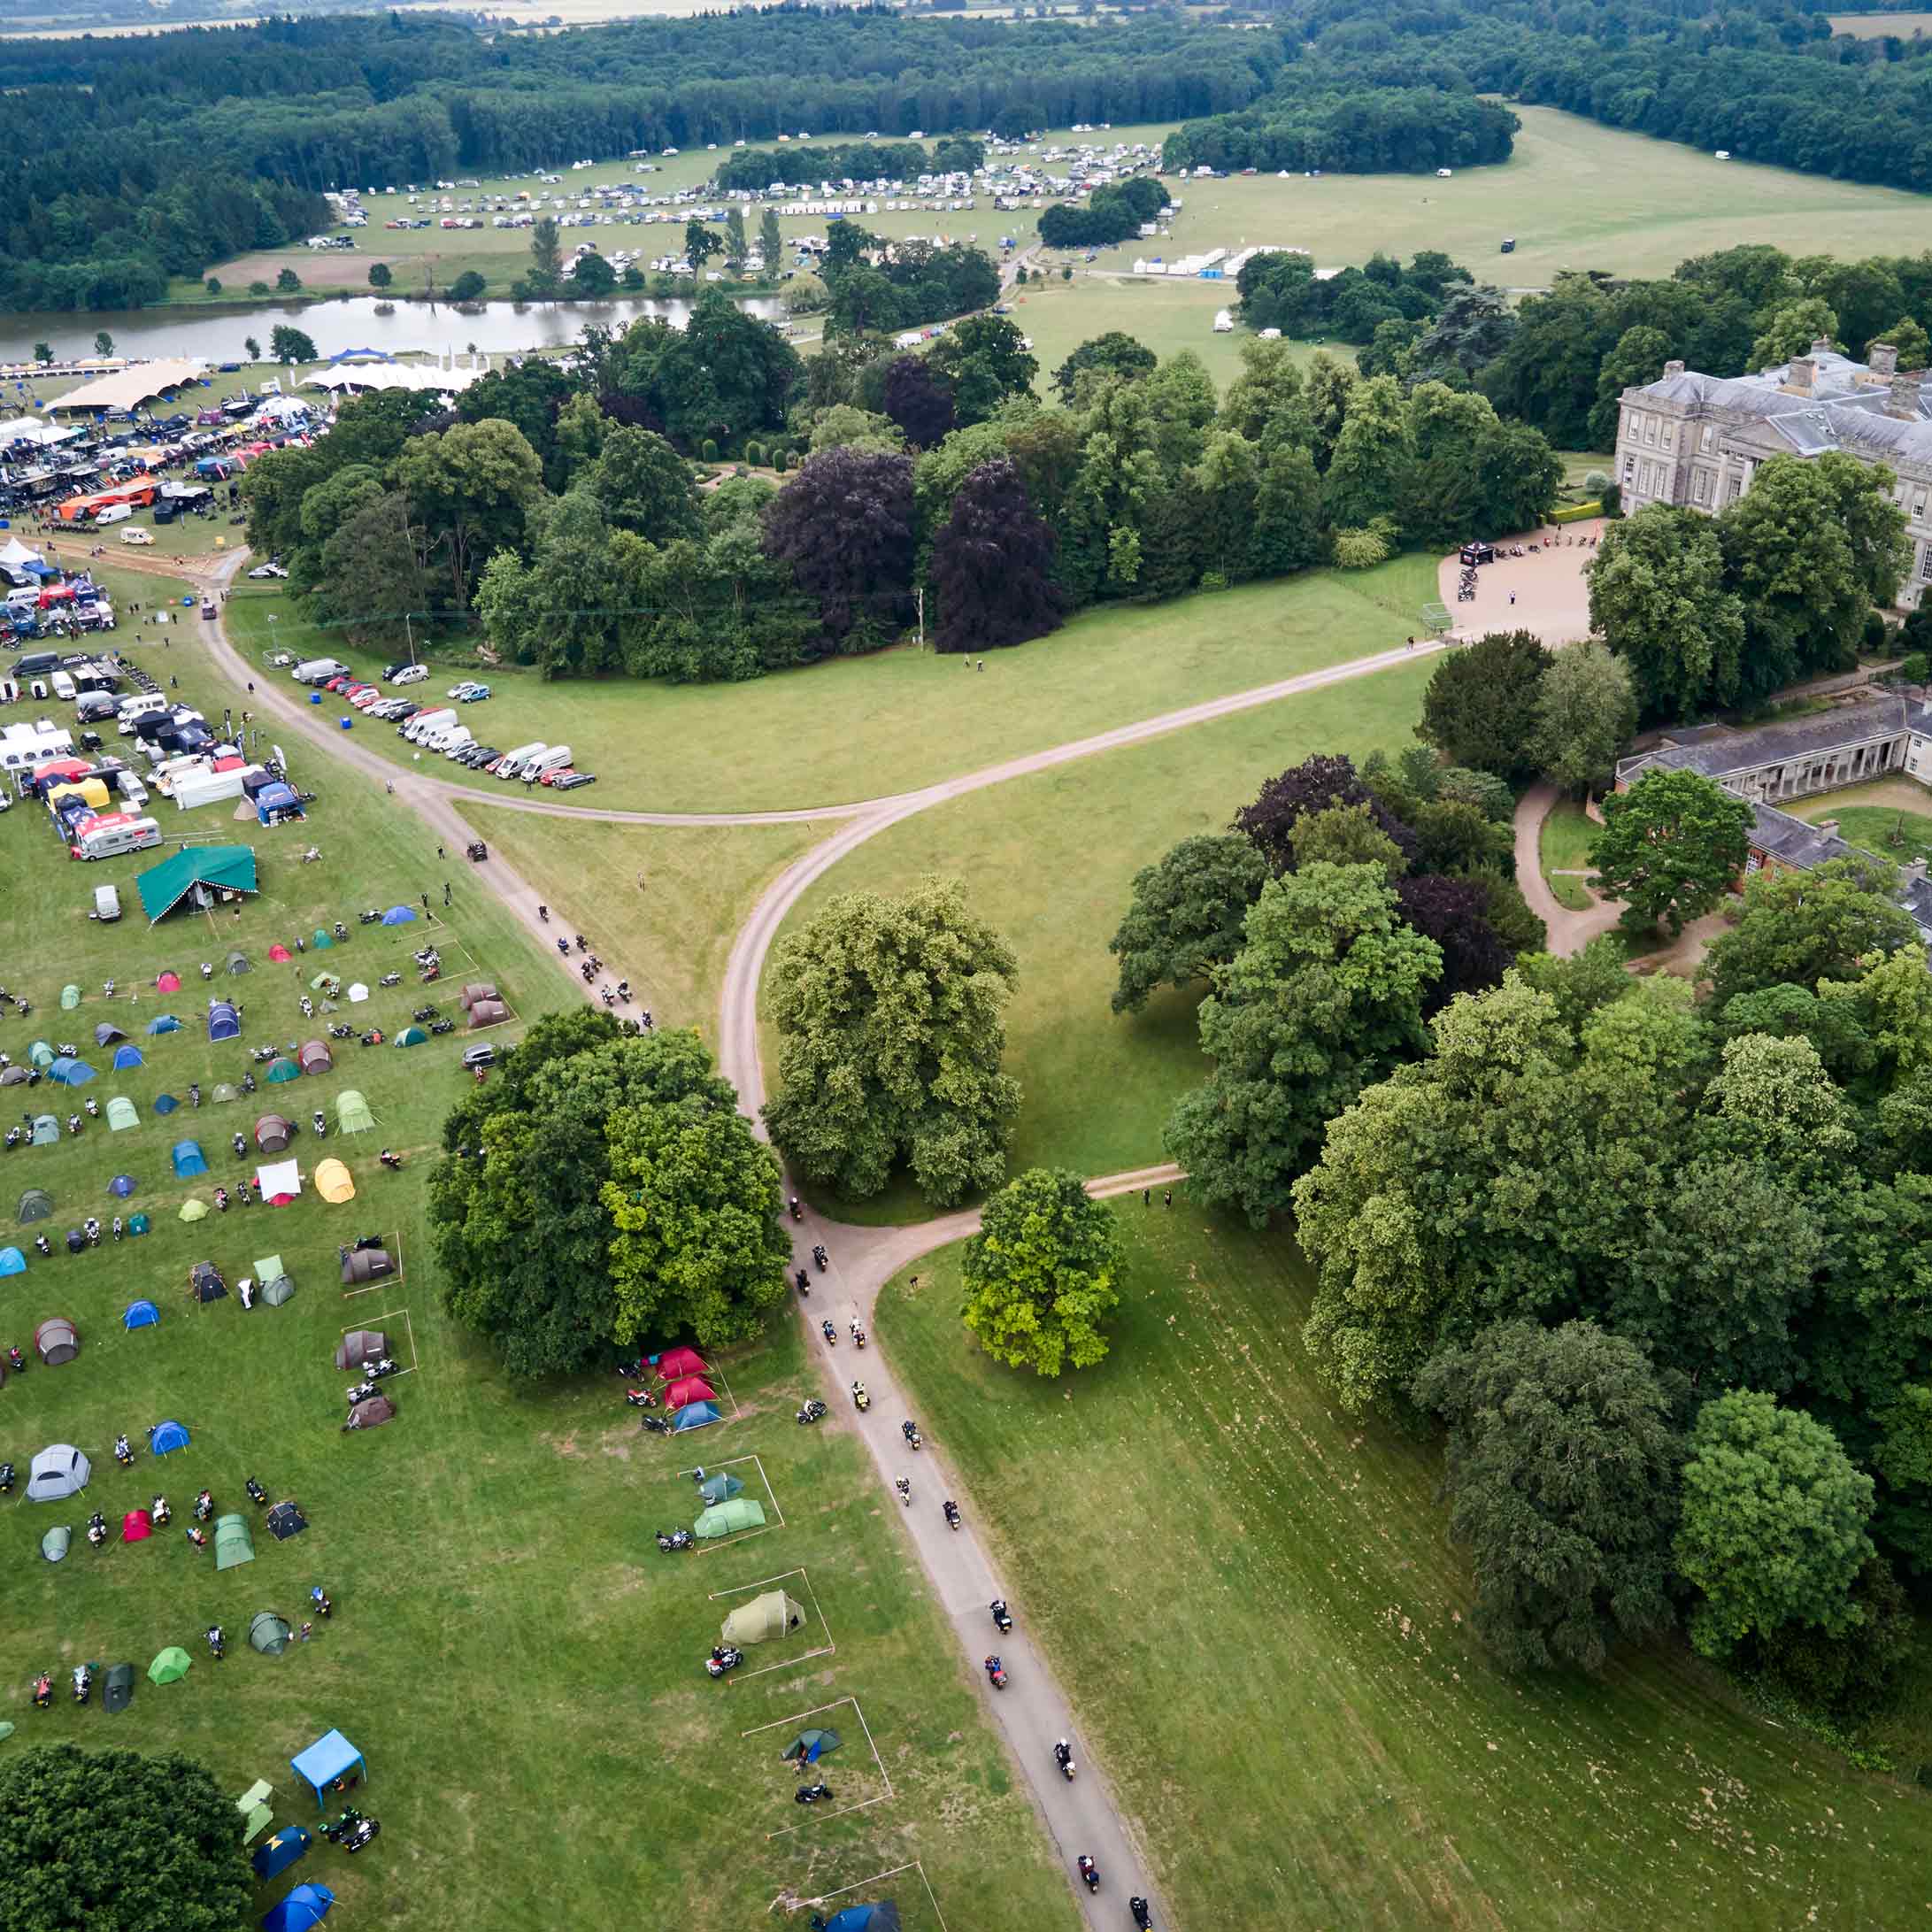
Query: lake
point(217, 333)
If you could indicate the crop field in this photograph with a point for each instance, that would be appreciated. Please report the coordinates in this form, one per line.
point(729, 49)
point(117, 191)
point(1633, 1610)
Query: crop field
point(1049, 861)
point(518, 1661)
point(1879, 26)
point(1253, 1600)
point(861, 727)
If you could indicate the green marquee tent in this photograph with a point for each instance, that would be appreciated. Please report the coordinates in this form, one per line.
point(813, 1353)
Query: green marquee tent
point(234, 1543)
point(206, 869)
point(727, 1518)
point(767, 1616)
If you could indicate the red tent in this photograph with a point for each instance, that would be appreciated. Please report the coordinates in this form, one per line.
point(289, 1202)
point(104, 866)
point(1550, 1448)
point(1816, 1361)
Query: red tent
point(675, 1362)
point(136, 1526)
point(689, 1389)
point(280, 954)
point(168, 983)
point(61, 768)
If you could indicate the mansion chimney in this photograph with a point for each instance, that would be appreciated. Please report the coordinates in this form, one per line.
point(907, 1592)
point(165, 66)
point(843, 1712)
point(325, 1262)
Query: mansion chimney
point(1883, 358)
point(1904, 399)
point(1804, 374)
point(1673, 368)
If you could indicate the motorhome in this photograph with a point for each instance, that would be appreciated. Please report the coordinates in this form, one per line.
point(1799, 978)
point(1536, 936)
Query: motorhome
point(116, 833)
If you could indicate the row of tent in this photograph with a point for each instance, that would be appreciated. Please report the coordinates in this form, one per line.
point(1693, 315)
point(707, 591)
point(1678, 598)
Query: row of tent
point(692, 1401)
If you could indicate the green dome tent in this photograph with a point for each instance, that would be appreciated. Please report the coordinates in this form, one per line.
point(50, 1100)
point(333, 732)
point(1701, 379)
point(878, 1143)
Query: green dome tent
point(121, 1114)
point(267, 1633)
point(118, 1689)
point(170, 1667)
point(279, 1071)
point(70, 997)
point(352, 1115)
point(41, 1054)
point(767, 1616)
point(321, 942)
point(727, 1518)
point(720, 1488)
point(809, 1746)
point(36, 1205)
point(412, 1036)
point(194, 1211)
point(46, 1131)
point(276, 1290)
point(53, 1545)
point(235, 1545)
point(226, 1090)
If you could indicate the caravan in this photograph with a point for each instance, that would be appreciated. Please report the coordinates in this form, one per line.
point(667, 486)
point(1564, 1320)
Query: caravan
point(109, 837)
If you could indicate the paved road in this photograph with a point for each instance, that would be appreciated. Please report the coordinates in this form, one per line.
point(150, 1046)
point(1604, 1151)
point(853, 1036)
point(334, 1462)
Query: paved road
point(1033, 1712)
point(1569, 932)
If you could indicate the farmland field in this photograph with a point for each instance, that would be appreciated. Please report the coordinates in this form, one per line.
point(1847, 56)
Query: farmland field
point(860, 728)
point(1878, 25)
point(520, 1662)
point(1257, 1601)
point(1048, 861)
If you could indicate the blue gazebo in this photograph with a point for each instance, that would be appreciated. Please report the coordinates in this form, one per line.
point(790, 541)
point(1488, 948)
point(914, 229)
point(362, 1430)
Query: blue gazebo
point(326, 1760)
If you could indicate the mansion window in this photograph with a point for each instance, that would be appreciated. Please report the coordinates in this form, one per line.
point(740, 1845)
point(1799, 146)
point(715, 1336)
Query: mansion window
point(1710, 437)
point(1649, 430)
point(1702, 487)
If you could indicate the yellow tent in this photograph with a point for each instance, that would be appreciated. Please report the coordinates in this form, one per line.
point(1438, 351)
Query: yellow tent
point(89, 788)
point(333, 1183)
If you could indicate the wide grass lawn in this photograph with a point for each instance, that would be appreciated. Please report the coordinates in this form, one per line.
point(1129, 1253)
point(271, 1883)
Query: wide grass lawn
point(1049, 861)
point(1565, 851)
point(1892, 828)
point(855, 728)
point(671, 936)
point(1253, 1601)
point(520, 1662)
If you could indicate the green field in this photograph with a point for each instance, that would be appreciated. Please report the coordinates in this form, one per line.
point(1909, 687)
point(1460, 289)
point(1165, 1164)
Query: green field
point(1881, 817)
point(855, 728)
point(1049, 860)
point(517, 1659)
point(1254, 1600)
point(1565, 851)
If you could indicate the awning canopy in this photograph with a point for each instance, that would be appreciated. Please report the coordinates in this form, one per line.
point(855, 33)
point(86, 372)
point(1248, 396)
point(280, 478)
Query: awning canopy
point(328, 1759)
point(229, 868)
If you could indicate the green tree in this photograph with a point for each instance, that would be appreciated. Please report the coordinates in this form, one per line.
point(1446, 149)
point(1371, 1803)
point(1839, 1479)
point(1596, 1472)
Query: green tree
point(44, 351)
point(1186, 915)
point(370, 575)
point(984, 359)
point(546, 255)
point(1268, 403)
point(1791, 328)
point(1561, 1475)
point(1586, 710)
point(1913, 345)
point(1774, 1522)
point(700, 244)
point(1115, 351)
point(771, 244)
point(286, 344)
point(1659, 600)
point(644, 485)
point(1799, 927)
point(104, 343)
point(1369, 469)
point(1043, 1274)
point(890, 1019)
point(1481, 706)
point(1324, 996)
point(736, 247)
point(470, 487)
point(253, 348)
point(380, 276)
point(288, 281)
point(1637, 358)
point(119, 1838)
point(593, 278)
point(1670, 847)
point(1346, 835)
point(467, 287)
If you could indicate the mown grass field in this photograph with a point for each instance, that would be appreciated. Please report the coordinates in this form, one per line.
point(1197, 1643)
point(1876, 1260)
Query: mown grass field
point(1881, 817)
point(854, 728)
point(520, 1662)
point(1251, 1598)
point(1049, 861)
point(1563, 848)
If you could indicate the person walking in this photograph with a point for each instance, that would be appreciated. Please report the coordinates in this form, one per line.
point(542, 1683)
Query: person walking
point(1168, 1199)
point(1147, 1196)
point(446, 893)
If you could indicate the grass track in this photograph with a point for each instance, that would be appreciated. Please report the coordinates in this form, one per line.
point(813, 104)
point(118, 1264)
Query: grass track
point(1253, 1601)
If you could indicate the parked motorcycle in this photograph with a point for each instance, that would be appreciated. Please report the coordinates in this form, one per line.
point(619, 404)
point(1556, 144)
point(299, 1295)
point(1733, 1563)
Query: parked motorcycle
point(723, 1657)
point(1002, 1617)
point(674, 1539)
point(812, 1412)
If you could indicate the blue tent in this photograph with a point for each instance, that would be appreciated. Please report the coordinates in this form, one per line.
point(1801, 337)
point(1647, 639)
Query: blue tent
point(121, 1186)
point(223, 1023)
point(164, 1437)
point(399, 915)
point(165, 1104)
point(13, 1261)
point(274, 801)
point(70, 1073)
point(127, 1056)
point(328, 1759)
point(164, 1023)
point(140, 1314)
point(305, 1908)
point(274, 1856)
point(694, 1415)
point(883, 1917)
point(189, 1159)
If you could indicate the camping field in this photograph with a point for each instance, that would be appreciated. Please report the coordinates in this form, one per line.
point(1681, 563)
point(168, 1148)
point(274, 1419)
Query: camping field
point(519, 1662)
point(862, 727)
point(1251, 1598)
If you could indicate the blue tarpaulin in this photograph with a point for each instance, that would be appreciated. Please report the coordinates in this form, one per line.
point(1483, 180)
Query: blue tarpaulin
point(164, 1023)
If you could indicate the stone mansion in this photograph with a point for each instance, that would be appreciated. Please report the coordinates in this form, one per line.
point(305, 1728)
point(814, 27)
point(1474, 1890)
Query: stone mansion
point(1695, 441)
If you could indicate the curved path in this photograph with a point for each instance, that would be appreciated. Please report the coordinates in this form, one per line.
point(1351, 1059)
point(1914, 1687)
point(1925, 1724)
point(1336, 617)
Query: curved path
point(1080, 1817)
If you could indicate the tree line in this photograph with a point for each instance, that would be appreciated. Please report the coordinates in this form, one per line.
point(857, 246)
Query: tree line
point(113, 143)
point(809, 163)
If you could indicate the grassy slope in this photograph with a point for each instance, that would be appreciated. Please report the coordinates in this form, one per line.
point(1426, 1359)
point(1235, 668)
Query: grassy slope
point(520, 1662)
point(1049, 861)
point(860, 728)
point(1253, 1601)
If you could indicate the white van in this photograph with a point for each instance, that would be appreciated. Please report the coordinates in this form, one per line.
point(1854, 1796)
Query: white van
point(63, 687)
point(108, 837)
point(129, 786)
point(106, 905)
point(506, 765)
point(459, 740)
point(426, 725)
point(319, 670)
point(441, 738)
point(553, 761)
point(115, 513)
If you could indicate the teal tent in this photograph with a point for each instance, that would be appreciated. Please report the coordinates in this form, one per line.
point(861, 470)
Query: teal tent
point(196, 874)
point(718, 1489)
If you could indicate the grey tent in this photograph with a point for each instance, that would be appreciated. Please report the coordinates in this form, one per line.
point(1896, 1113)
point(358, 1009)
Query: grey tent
point(272, 1134)
point(268, 1632)
point(369, 1413)
point(767, 1616)
point(238, 962)
point(58, 1472)
point(107, 1032)
point(54, 1544)
point(15, 1076)
point(277, 1292)
point(118, 1689)
point(361, 1345)
point(488, 1012)
point(36, 1205)
point(285, 1521)
point(46, 1131)
point(364, 1265)
point(315, 1058)
point(57, 1341)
